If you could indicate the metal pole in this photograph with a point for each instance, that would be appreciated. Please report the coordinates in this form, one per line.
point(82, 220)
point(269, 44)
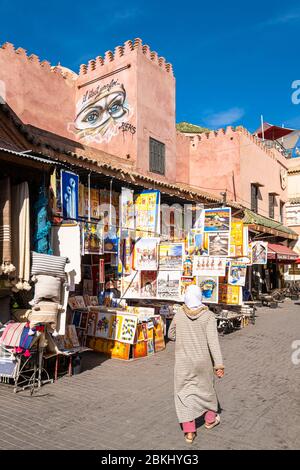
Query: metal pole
point(262, 127)
point(89, 194)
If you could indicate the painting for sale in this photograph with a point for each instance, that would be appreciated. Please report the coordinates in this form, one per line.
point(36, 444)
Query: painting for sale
point(131, 286)
point(209, 286)
point(168, 285)
point(171, 256)
point(148, 284)
point(217, 220)
point(146, 253)
point(218, 244)
point(126, 328)
point(259, 252)
point(209, 266)
point(237, 274)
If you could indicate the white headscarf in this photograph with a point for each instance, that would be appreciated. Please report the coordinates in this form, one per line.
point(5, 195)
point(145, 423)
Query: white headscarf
point(193, 297)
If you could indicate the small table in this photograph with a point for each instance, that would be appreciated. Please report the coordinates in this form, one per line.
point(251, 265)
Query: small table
point(67, 353)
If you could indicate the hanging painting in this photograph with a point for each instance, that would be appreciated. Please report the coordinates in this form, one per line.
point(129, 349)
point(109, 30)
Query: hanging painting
point(209, 266)
point(131, 285)
point(147, 213)
point(217, 220)
point(168, 285)
point(145, 254)
point(92, 239)
point(185, 282)
point(236, 238)
point(69, 194)
point(218, 244)
point(127, 209)
point(171, 256)
point(259, 252)
point(148, 284)
point(237, 274)
point(209, 286)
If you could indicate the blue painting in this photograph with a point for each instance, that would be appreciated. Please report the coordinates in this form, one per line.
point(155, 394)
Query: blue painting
point(69, 194)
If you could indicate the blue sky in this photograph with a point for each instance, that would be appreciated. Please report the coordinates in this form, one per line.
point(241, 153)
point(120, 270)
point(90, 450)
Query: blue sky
point(233, 61)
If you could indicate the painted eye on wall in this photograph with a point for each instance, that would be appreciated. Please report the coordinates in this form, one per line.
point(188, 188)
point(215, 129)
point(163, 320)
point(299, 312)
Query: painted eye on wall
point(91, 117)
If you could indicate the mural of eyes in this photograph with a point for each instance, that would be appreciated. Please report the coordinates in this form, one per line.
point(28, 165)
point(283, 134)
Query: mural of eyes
point(98, 119)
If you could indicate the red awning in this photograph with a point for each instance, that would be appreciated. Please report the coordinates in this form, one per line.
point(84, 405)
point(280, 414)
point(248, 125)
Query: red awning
point(281, 253)
point(272, 132)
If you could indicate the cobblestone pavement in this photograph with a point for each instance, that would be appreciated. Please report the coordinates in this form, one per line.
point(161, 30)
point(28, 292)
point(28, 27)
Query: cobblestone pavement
point(117, 405)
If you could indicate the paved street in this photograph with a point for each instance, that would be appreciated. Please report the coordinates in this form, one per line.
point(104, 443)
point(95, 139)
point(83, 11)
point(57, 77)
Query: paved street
point(116, 405)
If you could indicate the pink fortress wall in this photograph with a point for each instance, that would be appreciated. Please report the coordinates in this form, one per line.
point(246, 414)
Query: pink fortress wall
point(156, 109)
point(53, 99)
point(39, 95)
point(231, 160)
point(214, 162)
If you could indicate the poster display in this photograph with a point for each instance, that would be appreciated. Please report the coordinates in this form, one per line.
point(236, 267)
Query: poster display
point(218, 244)
point(146, 254)
point(259, 252)
point(147, 213)
point(209, 266)
point(168, 285)
point(217, 220)
point(237, 274)
point(69, 194)
point(171, 256)
point(210, 288)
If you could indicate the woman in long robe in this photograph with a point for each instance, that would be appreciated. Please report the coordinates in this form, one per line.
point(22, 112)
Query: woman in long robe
point(197, 357)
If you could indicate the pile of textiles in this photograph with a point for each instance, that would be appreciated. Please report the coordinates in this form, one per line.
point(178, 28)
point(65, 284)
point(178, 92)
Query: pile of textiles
point(19, 338)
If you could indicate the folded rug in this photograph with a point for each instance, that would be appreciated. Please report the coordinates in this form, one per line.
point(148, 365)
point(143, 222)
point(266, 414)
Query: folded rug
point(6, 266)
point(12, 334)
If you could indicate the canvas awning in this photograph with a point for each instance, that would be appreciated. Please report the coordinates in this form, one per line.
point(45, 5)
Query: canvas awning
point(271, 132)
point(281, 253)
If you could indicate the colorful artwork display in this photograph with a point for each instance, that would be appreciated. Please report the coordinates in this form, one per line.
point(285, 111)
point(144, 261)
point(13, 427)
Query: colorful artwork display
point(237, 274)
point(171, 256)
point(210, 288)
point(69, 194)
point(217, 220)
point(218, 244)
point(148, 284)
point(168, 285)
point(159, 340)
point(209, 266)
point(259, 252)
point(145, 254)
point(150, 347)
point(147, 213)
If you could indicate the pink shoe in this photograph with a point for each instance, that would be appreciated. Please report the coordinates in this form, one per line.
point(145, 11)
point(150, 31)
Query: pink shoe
point(215, 423)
